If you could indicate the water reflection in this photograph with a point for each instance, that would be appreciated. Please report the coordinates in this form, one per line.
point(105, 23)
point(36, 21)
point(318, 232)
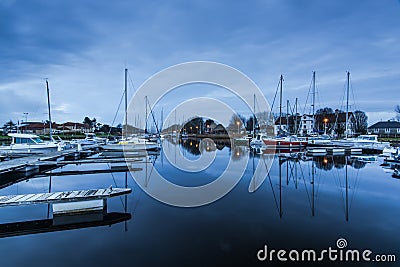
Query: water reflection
point(298, 172)
point(196, 145)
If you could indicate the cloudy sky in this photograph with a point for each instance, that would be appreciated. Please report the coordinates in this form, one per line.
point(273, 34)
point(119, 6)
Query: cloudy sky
point(82, 47)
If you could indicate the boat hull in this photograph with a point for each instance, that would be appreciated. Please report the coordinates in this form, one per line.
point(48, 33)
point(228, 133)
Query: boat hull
point(284, 143)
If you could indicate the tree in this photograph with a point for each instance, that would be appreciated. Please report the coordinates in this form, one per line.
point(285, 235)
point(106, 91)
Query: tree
point(397, 110)
point(236, 123)
point(249, 124)
point(93, 122)
point(195, 126)
point(8, 126)
point(86, 120)
point(105, 128)
point(361, 122)
point(324, 110)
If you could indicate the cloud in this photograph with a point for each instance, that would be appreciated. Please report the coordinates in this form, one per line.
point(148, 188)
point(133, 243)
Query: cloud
point(83, 47)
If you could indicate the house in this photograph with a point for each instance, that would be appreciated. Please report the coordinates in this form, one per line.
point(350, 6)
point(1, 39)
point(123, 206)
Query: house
point(385, 129)
point(219, 129)
point(324, 122)
point(44, 127)
point(74, 127)
point(306, 125)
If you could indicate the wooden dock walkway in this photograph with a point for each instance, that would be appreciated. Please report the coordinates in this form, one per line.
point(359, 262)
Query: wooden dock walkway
point(62, 197)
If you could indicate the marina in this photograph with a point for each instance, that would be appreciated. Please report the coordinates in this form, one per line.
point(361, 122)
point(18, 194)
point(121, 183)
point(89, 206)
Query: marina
point(298, 192)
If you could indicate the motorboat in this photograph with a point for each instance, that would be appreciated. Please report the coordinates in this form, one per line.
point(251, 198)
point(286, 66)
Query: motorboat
point(22, 142)
point(321, 140)
point(363, 141)
point(90, 140)
point(133, 143)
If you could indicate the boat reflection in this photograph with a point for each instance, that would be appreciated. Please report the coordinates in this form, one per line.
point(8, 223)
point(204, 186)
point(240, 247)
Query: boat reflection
point(299, 172)
point(62, 223)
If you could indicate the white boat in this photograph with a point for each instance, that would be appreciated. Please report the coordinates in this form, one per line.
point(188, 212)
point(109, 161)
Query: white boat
point(321, 140)
point(91, 139)
point(363, 141)
point(29, 143)
point(258, 140)
point(390, 151)
point(132, 144)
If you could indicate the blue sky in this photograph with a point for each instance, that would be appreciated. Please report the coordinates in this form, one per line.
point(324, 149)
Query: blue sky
point(82, 47)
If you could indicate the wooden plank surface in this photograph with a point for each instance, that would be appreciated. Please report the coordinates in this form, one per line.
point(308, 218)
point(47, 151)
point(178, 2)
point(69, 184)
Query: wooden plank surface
point(62, 197)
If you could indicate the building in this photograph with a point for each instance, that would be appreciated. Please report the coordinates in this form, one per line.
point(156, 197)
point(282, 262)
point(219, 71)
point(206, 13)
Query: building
point(335, 123)
point(385, 129)
point(74, 127)
point(219, 129)
point(306, 125)
point(331, 123)
point(44, 128)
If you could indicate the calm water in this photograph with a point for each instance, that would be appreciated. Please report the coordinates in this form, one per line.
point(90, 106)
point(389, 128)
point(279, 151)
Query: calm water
point(292, 209)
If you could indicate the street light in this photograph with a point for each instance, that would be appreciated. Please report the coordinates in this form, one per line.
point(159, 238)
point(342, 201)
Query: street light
point(325, 122)
point(26, 119)
point(238, 123)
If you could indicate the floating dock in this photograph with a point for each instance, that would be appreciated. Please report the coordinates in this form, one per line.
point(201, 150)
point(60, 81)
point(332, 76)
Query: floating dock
point(62, 197)
point(334, 151)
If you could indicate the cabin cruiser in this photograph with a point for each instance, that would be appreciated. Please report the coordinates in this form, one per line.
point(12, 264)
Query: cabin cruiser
point(29, 143)
point(363, 141)
point(90, 140)
point(133, 143)
point(320, 140)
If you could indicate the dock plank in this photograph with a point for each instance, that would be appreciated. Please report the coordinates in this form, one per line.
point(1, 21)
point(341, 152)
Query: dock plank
point(62, 197)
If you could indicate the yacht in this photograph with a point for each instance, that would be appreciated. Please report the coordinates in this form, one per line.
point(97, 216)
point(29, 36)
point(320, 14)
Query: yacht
point(363, 141)
point(29, 143)
point(133, 143)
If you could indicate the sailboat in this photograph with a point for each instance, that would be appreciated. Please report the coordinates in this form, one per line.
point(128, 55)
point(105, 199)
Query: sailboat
point(362, 141)
point(280, 142)
point(131, 143)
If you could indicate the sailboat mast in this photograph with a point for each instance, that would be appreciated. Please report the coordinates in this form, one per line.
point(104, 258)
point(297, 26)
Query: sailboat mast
point(280, 103)
point(126, 103)
point(254, 115)
point(347, 103)
point(347, 192)
point(295, 117)
point(287, 115)
point(48, 105)
point(313, 99)
point(145, 127)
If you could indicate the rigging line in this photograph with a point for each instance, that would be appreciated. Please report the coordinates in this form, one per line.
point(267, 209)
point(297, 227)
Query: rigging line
point(276, 93)
point(304, 180)
point(319, 183)
point(152, 114)
point(340, 189)
point(133, 208)
point(272, 187)
point(131, 82)
point(308, 95)
point(356, 184)
point(352, 93)
point(115, 182)
point(116, 114)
